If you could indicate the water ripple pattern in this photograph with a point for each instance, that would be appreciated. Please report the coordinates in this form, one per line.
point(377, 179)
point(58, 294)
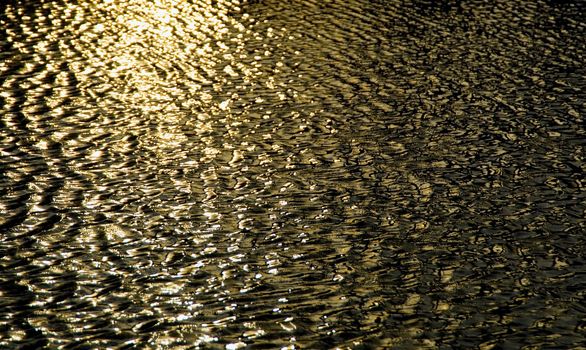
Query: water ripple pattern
point(292, 174)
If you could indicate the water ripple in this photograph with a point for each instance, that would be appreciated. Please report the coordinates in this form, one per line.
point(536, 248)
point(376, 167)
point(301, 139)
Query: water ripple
point(338, 174)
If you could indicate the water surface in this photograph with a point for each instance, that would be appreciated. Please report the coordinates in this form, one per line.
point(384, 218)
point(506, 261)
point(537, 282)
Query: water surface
point(292, 174)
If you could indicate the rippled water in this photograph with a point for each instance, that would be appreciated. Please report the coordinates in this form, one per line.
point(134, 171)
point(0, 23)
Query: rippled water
point(302, 174)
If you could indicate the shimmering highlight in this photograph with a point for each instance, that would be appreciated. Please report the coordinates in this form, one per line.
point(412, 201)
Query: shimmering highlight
point(339, 174)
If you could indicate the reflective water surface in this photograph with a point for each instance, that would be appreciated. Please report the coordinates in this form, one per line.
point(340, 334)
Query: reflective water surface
point(292, 174)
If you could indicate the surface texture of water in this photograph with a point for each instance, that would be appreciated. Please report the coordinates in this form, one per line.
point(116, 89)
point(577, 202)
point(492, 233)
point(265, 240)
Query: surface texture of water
point(303, 174)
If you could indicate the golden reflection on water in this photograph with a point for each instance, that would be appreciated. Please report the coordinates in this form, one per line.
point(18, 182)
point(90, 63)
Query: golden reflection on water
point(179, 173)
point(131, 54)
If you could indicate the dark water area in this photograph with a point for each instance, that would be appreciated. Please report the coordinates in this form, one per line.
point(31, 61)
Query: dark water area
point(292, 174)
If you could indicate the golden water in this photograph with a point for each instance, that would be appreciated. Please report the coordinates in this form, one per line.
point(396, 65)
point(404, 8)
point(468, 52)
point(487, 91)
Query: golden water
point(292, 174)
